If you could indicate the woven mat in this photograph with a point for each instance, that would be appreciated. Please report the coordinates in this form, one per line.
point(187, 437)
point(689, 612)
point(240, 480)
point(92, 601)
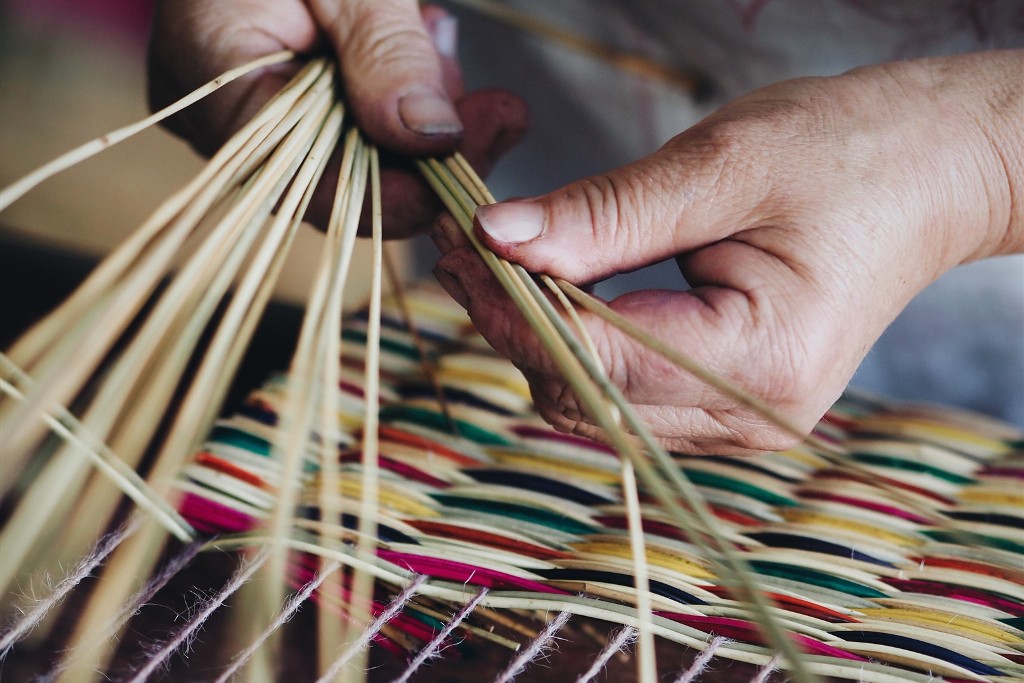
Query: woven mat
point(904, 557)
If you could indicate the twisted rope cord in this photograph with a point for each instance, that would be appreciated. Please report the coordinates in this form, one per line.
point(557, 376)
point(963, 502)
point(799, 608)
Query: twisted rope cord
point(289, 610)
point(387, 615)
point(137, 602)
point(537, 649)
point(81, 571)
point(766, 671)
point(431, 650)
point(624, 638)
point(700, 664)
point(186, 632)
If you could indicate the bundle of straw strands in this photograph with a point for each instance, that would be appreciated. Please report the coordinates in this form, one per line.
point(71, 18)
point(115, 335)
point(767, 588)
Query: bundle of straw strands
point(403, 514)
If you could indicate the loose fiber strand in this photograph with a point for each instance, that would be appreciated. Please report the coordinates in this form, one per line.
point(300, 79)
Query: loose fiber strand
point(342, 230)
point(363, 582)
point(67, 427)
point(69, 159)
point(211, 378)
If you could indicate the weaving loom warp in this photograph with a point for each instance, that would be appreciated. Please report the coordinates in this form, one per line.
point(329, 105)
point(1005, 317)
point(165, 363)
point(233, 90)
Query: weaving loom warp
point(486, 535)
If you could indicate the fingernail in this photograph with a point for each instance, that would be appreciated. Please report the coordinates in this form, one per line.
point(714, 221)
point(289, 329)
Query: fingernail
point(511, 222)
point(427, 112)
point(444, 33)
point(451, 285)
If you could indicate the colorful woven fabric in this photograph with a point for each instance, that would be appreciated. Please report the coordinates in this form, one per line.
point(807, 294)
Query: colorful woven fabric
point(902, 559)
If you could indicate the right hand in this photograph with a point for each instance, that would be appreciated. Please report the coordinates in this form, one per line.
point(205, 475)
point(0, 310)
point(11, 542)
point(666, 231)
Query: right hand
point(805, 215)
point(398, 67)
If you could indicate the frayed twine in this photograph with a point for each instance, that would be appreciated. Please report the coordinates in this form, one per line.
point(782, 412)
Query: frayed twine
point(81, 571)
point(539, 648)
point(433, 648)
point(623, 639)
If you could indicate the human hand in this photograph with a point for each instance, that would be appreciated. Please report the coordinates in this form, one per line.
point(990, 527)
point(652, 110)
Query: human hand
point(398, 66)
point(805, 216)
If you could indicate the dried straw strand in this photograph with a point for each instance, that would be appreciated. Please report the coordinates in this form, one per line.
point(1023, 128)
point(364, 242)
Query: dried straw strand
point(83, 152)
point(363, 582)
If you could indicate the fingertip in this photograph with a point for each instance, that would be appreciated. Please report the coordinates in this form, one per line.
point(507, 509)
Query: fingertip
point(398, 79)
point(449, 282)
point(446, 234)
point(510, 223)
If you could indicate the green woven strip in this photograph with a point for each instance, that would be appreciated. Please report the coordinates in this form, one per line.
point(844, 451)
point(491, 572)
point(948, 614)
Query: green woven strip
point(815, 578)
point(231, 436)
point(435, 420)
point(909, 466)
point(718, 481)
point(960, 537)
point(359, 337)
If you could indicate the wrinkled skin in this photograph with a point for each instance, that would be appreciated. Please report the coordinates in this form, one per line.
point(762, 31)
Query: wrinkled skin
point(387, 49)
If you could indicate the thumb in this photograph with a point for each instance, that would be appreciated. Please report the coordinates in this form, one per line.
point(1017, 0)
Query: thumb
point(673, 201)
point(393, 75)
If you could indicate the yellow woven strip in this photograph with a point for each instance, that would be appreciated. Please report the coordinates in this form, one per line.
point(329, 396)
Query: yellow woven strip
point(815, 518)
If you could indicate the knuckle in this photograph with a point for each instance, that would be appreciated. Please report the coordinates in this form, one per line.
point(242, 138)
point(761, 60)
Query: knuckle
point(612, 208)
point(722, 142)
point(723, 153)
point(384, 38)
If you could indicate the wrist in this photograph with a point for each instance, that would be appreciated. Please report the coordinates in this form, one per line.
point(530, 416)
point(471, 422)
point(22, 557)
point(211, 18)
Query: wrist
point(985, 92)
